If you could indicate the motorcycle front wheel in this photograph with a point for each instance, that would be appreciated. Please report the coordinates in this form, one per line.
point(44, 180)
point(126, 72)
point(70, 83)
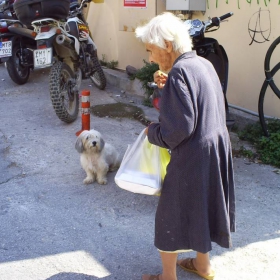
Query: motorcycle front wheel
point(98, 76)
point(17, 72)
point(65, 99)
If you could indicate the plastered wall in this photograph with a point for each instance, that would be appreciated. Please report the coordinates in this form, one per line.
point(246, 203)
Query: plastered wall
point(246, 36)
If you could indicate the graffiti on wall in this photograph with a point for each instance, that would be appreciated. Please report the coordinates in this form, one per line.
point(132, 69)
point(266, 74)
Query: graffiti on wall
point(258, 2)
point(259, 26)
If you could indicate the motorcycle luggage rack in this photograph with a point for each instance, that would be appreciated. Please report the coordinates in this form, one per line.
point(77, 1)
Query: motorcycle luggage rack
point(37, 24)
point(62, 25)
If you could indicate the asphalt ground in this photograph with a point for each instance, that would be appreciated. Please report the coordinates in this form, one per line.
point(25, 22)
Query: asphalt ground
point(54, 227)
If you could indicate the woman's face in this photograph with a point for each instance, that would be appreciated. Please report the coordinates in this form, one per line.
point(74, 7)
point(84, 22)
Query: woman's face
point(163, 57)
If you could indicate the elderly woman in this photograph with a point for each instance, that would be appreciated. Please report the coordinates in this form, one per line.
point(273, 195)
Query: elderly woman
point(197, 203)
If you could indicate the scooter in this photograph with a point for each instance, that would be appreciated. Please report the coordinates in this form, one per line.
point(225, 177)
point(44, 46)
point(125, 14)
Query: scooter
point(210, 49)
point(16, 43)
point(5, 41)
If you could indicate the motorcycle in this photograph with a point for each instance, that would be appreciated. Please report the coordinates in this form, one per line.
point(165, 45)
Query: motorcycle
point(16, 43)
point(210, 49)
point(65, 44)
point(5, 43)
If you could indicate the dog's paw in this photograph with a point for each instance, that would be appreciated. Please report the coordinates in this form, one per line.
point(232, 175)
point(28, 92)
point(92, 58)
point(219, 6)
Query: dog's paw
point(88, 180)
point(102, 181)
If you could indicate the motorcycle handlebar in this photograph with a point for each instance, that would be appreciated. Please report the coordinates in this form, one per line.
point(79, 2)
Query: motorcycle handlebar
point(216, 20)
point(226, 16)
point(82, 4)
point(78, 9)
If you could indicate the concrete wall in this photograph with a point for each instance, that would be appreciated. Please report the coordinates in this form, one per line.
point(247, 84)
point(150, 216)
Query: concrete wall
point(245, 36)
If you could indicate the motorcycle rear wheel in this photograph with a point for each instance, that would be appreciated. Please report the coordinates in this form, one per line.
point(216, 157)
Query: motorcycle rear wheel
point(65, 99)
point(17, 72)
point(98, 77)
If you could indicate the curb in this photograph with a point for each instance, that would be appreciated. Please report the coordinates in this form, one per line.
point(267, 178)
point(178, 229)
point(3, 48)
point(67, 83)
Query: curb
point(121, 80)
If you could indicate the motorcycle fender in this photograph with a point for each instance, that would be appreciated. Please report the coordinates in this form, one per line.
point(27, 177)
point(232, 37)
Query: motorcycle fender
point(73, 32)
point(76, 43)
point(48, 43)
point(90, 41)
point(46, 35)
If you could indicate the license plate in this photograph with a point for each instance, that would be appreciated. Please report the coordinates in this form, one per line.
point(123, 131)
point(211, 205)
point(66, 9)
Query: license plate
point(42, 58)
point(6, 49)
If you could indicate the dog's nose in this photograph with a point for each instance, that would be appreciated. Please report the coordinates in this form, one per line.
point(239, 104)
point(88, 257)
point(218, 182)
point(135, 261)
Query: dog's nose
point(93, 143)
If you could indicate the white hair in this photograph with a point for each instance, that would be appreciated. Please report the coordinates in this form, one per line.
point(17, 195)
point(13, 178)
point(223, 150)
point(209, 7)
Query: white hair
point(166, 27)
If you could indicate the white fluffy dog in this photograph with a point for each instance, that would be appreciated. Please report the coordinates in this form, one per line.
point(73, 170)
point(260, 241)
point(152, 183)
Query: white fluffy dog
point(97, 157)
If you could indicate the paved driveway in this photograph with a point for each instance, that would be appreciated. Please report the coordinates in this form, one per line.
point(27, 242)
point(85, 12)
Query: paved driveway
point(54, 227)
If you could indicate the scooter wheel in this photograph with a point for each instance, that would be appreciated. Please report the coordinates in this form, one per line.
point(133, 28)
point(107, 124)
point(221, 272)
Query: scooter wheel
point(18, 73)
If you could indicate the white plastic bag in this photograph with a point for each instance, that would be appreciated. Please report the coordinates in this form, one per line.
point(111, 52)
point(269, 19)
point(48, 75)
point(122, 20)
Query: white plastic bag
point(143, 167)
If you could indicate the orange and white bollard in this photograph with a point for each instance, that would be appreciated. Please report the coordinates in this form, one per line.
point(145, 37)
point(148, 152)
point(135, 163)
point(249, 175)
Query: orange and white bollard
point(85, 106)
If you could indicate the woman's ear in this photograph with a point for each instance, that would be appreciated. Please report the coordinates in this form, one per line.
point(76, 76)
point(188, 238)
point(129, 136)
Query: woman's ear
point(169, 46)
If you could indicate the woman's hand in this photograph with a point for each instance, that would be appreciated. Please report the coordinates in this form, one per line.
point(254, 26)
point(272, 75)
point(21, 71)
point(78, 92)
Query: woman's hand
point(160, 78)
point(147, 128)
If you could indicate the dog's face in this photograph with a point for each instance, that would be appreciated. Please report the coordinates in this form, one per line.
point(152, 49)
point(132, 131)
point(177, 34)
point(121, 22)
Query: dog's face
point(90, 141)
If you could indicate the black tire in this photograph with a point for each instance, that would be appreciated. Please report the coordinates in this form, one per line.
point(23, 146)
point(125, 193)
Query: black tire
point(18, 73)
point(261, 99)
point(269, 75)
point(269, 81)
point(65, 99)
point(98, 77)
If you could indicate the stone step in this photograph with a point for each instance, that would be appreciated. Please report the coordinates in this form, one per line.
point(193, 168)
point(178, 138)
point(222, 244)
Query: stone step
point(121, 80)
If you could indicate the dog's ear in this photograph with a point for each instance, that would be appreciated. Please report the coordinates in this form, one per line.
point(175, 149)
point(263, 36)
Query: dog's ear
point(102, 144)
point(79, 144)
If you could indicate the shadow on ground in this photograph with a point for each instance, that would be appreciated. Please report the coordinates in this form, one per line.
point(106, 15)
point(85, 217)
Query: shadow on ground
point(72, 276)
point(119, 110)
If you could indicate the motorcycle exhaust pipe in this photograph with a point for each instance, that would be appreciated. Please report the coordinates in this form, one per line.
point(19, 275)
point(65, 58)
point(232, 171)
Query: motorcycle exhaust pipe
point(64, 40)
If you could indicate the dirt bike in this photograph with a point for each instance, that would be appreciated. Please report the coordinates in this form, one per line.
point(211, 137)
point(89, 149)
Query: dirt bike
point(210, 49)
point(64, 43)
point(16, 42)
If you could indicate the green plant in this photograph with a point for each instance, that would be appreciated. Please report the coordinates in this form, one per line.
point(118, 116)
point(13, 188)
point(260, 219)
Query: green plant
point(245, 152)
point(145, 75)
point(109, 64)
point(268, 148)
point(112, 64)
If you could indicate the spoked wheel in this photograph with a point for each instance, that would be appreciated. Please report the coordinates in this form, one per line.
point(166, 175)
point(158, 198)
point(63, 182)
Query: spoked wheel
point(18, 73)
point(268, 73)
point(269, 81)
point(261, 100)
point(65, 99)
point(98, 76)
